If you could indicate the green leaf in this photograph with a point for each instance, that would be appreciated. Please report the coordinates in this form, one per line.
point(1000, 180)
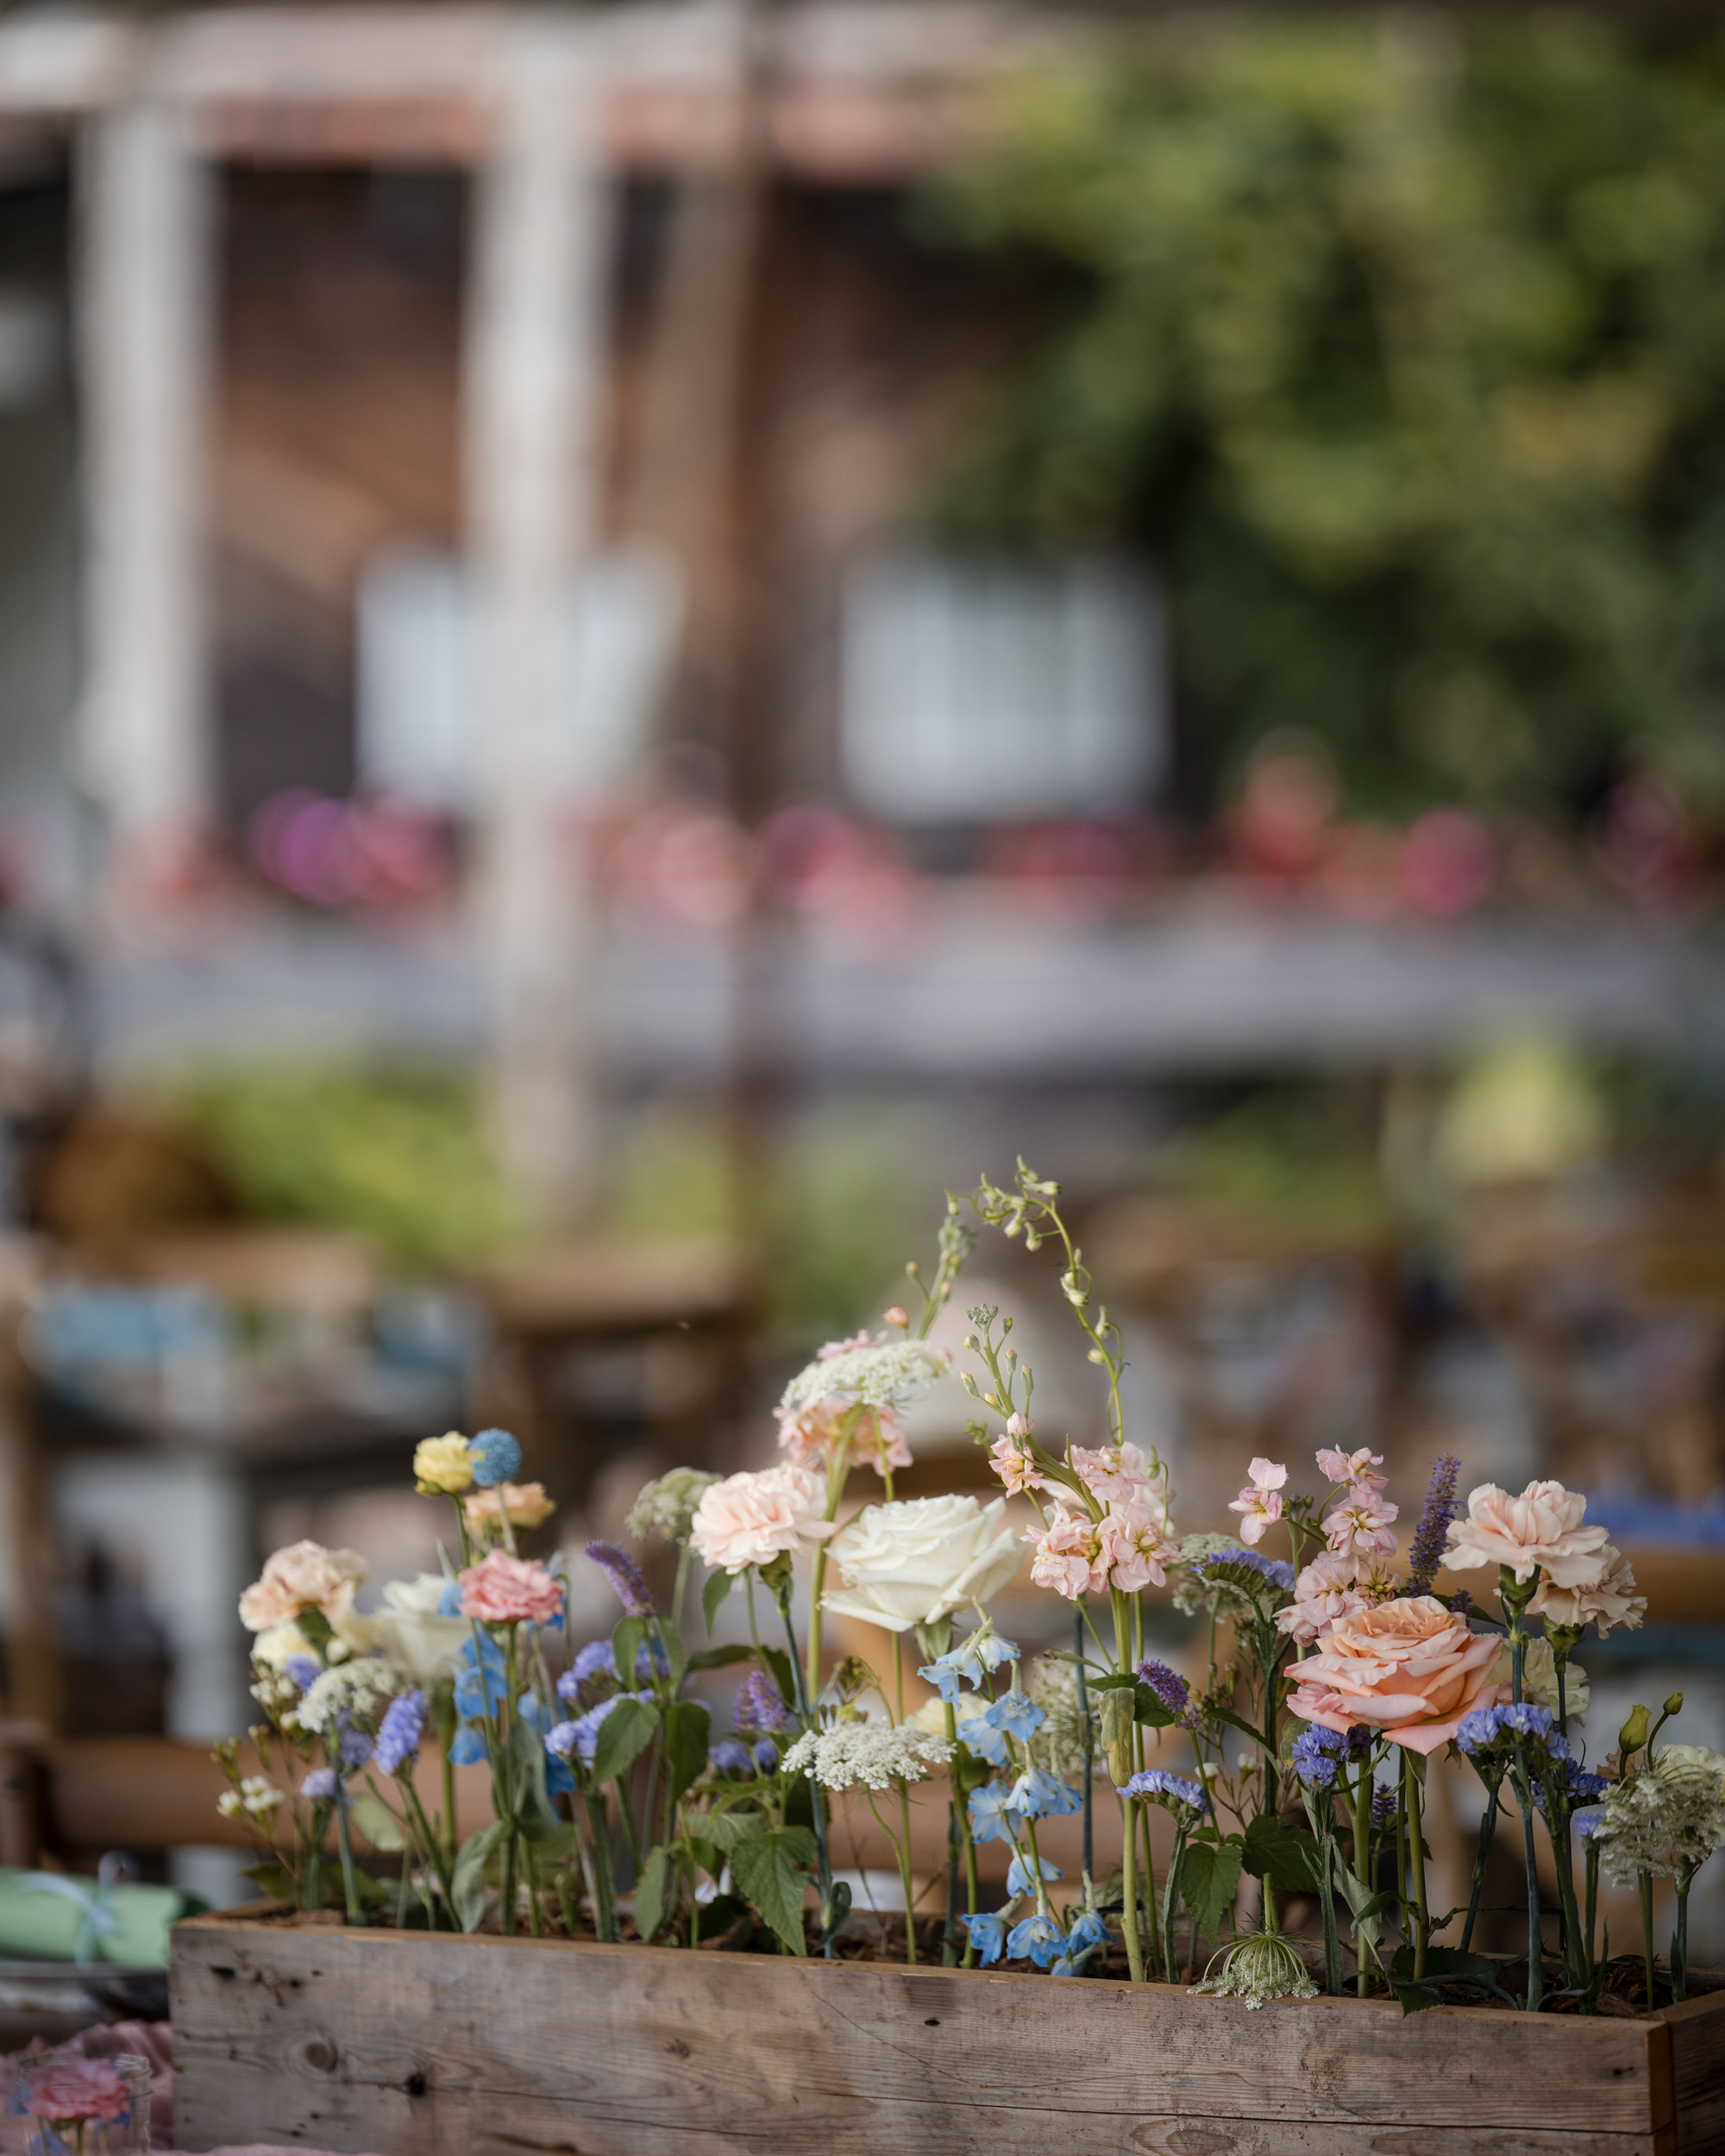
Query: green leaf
point(655, 1893)
point(468, 1892)
point(1213, 1712)
point(1444, 1965)
point(626, 1643)
point(624, 1735)
point(724, 1830)
point(1287, 1855)
point(721, 1913)
point(687, 1723)
point(779, 1664)
point(535, 1816)
point(273, 1879)
point(767, 1869)
point(1208, 1879)
point(371, 1817)
point(718, 1585)
point(723, 1658)
point(676, 1654)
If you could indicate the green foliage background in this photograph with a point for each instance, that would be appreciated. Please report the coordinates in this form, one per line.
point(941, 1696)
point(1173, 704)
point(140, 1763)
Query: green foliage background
point(1401, 343)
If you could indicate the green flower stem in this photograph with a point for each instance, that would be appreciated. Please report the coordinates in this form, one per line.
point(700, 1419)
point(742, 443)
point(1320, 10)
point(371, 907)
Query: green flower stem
point(961, 1818)
point(805, 1708)
point(449, 1770)
point(1536, 1949)
point(1129, 1890)
point(1488, 1827)
point(902, 1856)
point(1578, 1963)
point(1089, 1750)
point(1149, 1890)
point(1679, 1955)
point(1416, 1859)
point(434, 1853)
point(605, 1891)
point(1326, 1900)
point(1591, 1864)
point(835, 1473)
point(1170, 1909)
point(511, 1845)
point(350, 1886)
point(1361, 1862)
point(1644, 1881)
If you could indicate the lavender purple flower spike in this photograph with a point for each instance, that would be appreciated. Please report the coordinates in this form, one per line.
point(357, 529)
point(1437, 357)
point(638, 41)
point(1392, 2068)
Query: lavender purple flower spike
point(1431, 1536)
point(625, 1574)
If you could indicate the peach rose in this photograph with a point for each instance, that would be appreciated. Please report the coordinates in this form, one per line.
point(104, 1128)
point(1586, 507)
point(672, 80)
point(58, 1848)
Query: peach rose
point(752, 1518)
point(527, 1505)
point(304, 1575)
point(68, 2089)
point(505, 1590)
point(1540, 1530)
point(1410, 1669)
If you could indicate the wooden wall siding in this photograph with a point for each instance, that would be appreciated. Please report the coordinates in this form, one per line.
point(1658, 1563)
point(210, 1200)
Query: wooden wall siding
point(478, 2046)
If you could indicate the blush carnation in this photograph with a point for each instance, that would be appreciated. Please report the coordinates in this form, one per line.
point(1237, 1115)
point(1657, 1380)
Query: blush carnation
point(505, 1590)
point(1542, 1530)
point(752, 1518)
point(1411, 1670)
point(69, 2089)
point(304, 1575)
point(1608, 1601)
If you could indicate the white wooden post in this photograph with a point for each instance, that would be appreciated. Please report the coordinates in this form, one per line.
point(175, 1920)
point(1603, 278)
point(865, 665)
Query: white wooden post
point(144, 274)
point(535, 345)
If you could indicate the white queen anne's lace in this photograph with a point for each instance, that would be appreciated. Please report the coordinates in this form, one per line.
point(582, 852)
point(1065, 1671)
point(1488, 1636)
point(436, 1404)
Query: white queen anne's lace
point(1668, 1820)
point(876, 1376)
point(873, 1755)
point(359, 1689)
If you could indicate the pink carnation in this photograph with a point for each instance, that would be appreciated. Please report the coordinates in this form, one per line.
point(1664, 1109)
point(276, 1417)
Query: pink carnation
point(1134, 1548)
point(69, 2089)
point(1541, 1530)
point(1067, 1555)
point(1115, 1474)
point(1260, 1504)
point(304, 1575)
point(752, 1518)
point(504, 1590)
point(1325, 1590)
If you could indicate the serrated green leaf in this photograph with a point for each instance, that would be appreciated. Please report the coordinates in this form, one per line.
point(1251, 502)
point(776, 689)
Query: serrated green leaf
point(767, 1870)
point(468, 1892)
point(624, 1735)
point(1287, 1855)
point(1209, 1878)
point(723, 1658)
point(1213, 1712)
point(718, 1585)
point(687, 1726)
point(653, 1890)
point(724, 1830)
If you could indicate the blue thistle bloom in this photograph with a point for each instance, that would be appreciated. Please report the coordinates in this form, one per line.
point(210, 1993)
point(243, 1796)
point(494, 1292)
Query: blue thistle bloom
point(496, 1458)
point(1426, 1551)
point(1036, 1939)
point(399, 1732)
point(319, 1785)
point(729, 1757)
point(988, 1932)
point(1038, 1794)
point(988, 1807)
point(302, 1669)
point(1170, 1687)
point(1021, 1880)
point(1167, 1788)
point(625, 1574)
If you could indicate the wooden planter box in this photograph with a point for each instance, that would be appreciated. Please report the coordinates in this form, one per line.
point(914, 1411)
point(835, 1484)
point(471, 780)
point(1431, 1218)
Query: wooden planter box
point(408, 2045)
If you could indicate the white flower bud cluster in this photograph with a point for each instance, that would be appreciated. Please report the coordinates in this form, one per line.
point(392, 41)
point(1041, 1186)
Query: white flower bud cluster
point(667, 1506)
point(1668, 1820)
point(876, 1376)
point(360, 1689)
point(257, 1795)
point(870, 1755)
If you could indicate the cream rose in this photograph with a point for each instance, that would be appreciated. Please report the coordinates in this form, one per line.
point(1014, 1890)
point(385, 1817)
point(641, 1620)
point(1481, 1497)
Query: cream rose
point(1539, 1678)
point(920, 1558)
point(414, 1634)
point(1410, 1669)
point(752, 1518)
point(1540, 1530)
point(304, 1575)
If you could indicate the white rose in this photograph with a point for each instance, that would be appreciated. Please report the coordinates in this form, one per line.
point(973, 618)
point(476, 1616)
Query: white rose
point(920, 1558)
point(411, 1631)
point(1539, 1678)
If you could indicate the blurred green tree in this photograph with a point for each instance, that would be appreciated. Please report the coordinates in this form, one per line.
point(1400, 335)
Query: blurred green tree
point(1400, 342)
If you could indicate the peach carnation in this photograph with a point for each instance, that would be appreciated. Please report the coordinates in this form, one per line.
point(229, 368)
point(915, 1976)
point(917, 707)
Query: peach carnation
point(68, 2089)
point(1410, 1669)
point(504, 1590)
point(816, 1429)
point(752, 1518)
point(1540, 1530)
point(304, 1575)
point(1606, 1601)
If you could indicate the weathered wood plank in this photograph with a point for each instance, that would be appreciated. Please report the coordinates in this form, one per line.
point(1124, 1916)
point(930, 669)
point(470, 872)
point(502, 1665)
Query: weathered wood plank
point(1697, 2046)
point(393, 2043)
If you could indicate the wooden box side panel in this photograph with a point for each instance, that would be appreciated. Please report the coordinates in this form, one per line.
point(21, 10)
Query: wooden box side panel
point(390, 2043)
point(1698, 2048)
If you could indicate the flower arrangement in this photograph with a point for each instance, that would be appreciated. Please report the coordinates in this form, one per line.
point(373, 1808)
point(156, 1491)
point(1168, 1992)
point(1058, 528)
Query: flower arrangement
point(1331, 1676)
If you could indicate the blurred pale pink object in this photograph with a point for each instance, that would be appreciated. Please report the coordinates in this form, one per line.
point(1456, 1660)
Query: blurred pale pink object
point(820, 864)
point(1646, 846)
point(337, 853)
point(1447, 862)
point(684, 864)
point(64, 2088)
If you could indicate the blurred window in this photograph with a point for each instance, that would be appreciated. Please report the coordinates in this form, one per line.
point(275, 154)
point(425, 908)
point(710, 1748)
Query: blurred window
point(421, 717)
point(973, 690)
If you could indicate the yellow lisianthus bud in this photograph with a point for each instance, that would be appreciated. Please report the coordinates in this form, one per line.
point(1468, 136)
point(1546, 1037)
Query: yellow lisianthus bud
point(443, 1467)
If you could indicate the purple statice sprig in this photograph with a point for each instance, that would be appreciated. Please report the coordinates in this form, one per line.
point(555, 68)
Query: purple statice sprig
point(1317, 1755)
point(1172, 1690)
point(1431, 1537)
point(625, 1574)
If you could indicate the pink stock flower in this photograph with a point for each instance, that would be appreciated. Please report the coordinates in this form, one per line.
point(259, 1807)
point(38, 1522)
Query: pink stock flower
point(1260, 1504)
point(816, 1429)
point(1325, 1590)
point(1410, 1669)
point(68, 2089)
point(504, 1590)
point(1353, 1468)
point(1133, 1548)
point(1068, 1555)
point(898, 1316)
point(1362, 1523)
point(1015, 1469)
point(1115, 1474)
point(1540, 1530)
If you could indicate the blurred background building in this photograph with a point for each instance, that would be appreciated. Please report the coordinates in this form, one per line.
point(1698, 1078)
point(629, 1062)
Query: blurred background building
point(634, 638)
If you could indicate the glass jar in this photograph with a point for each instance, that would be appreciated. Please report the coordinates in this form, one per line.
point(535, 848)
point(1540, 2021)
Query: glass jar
point(85, 2107)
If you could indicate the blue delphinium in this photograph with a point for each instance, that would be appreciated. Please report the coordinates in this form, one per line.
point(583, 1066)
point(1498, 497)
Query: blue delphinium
point(476, 1694)
point(449, 1601)
point(988, 1807)
point(496, 1458)
point(971, 1660)
point(988, 1932)
point(1019, 1716)
point(1167, 1788)
point(1021, 1880)
point(1036, 1938)
point(467, 1748)
point(399, 1732)
point(1038, 1794)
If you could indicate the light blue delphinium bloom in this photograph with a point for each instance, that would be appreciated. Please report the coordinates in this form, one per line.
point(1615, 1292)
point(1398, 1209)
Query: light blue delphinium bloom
point(987, 1808)
point(449, 1601)
point(473, 1697)
point(1021, 1880)
point(1089, 1930)
point(1019, 1716)
point(496, 1458)
point(987, 1935)
point(1036, 1939)
point(981, 1737)
point(971, 1660)
point(469, 1746)
point(1038, 1794)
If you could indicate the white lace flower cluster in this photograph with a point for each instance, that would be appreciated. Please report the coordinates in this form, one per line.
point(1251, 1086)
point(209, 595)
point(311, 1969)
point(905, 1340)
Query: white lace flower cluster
point(883, 1376)
point(1059, 1743)
point(358, 1690)
point(1670, 1818)
point(256, 1796)
point(871, 1755)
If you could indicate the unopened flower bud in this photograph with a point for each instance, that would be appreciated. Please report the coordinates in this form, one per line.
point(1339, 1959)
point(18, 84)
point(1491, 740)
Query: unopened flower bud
point(897, 1315)
point(1019, 1425)
point(1633, 1733)
point(1674, 1704)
